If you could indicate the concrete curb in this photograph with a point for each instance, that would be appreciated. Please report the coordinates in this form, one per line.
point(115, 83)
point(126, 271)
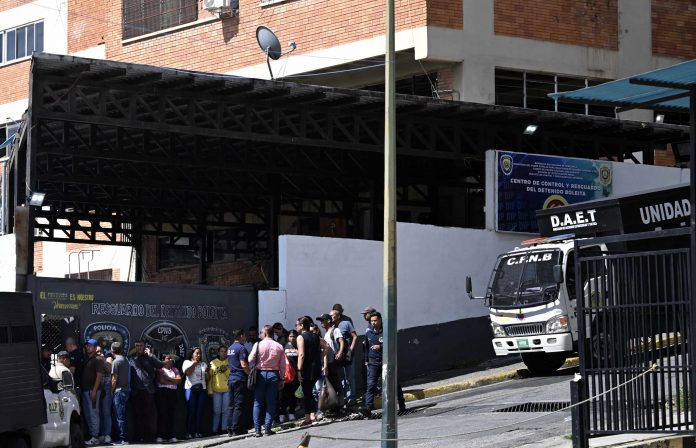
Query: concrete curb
point(419, 394)
point(656, 442)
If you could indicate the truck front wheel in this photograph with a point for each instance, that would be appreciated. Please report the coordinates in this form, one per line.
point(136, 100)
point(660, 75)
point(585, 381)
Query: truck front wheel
point(543, 363)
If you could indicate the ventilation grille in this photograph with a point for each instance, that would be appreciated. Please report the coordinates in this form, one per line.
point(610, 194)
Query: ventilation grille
point(524, 329)
point(542, 406)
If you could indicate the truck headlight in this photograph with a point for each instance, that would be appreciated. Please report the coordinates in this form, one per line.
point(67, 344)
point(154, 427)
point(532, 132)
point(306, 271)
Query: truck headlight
point(498, 330)
point(557, 324)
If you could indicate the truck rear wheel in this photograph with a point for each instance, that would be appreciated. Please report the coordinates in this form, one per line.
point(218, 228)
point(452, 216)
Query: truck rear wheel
point(543, 363)
point(76, 438)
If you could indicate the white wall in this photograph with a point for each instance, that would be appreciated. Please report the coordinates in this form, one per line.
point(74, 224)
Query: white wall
point(627, 178)
point(432, 264)
point(57, 261)
point(8, 263)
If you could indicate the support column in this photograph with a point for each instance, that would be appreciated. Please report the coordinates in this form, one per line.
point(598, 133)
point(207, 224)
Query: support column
point(272, 226)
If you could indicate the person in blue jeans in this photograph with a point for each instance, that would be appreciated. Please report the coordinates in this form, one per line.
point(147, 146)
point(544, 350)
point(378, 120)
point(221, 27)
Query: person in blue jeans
point(120, 384)
point(196, 371)
point(269, 358)
point(107, 398)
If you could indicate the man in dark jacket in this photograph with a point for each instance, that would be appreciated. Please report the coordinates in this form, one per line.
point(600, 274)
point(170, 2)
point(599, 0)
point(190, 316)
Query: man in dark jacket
point(143, 392)
point(374, 340)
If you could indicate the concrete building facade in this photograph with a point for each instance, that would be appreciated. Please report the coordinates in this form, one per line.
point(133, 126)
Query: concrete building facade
point(509, 52)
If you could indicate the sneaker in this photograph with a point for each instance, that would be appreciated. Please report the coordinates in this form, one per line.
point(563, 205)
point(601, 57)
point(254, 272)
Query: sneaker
point(92, 442)
point(188, 437)
point(230, 433)
point(282, 419)
point(120, 443)
point(173, 440)
point(159, 440)
point(269, 432)
point(257, 434)
point(198, 436)
point(291, 417)
point(107, 439)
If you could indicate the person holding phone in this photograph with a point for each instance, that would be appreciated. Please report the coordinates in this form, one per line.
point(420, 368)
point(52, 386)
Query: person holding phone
point(219, 376)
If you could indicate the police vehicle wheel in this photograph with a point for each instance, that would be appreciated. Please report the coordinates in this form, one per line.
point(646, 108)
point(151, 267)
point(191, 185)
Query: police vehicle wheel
point(76, 438)
point(543, 363)
point(18, 442)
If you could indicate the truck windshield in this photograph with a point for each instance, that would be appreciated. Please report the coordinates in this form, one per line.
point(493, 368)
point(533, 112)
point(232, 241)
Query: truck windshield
point(524, 279)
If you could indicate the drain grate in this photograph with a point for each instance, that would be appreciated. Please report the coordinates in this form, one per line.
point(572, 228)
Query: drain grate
point(540, 406)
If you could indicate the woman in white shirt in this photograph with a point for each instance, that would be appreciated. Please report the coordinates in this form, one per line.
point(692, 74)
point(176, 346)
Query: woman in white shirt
point(196, 371)
point(168, 379)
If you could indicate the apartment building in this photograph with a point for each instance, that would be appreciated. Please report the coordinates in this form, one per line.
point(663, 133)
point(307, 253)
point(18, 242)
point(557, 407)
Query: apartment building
point(507, 52)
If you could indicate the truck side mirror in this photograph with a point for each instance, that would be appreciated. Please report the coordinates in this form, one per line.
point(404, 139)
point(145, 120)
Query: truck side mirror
point(558, 273)
point(468, 285)
point(67, 380)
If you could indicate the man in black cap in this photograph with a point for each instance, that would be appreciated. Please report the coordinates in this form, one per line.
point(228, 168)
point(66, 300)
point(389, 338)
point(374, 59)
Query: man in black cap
point(63, 365)
point(91, 391)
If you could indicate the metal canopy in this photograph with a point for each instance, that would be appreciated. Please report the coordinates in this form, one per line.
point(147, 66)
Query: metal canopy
point(665, 88)
point(124, 150)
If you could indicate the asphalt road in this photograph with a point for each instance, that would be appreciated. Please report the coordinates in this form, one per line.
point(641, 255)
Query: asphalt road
point(462, 419)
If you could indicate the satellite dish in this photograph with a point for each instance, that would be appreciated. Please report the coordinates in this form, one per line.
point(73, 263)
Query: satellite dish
point(270, 45)
point(268, 42)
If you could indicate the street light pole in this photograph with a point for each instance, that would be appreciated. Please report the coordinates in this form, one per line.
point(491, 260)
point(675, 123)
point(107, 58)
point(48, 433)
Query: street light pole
point(389, 433)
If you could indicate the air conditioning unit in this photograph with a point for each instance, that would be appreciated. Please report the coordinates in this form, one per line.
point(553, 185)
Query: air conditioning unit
point(223, 8)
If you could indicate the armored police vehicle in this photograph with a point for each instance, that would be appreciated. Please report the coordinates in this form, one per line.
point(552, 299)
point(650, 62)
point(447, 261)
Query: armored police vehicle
point(532, 290)
point(35, 410)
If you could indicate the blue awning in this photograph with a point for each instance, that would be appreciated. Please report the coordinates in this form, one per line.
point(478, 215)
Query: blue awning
point(665, 88)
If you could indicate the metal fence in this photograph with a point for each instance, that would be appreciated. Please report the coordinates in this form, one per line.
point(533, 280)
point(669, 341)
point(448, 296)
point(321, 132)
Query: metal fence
point(633, 311)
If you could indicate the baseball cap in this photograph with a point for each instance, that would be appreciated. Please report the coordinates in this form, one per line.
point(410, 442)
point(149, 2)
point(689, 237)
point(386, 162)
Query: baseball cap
point(369, 309)
point(92, 342)
point(324, 317)
point(45, 348)
point(63, 354)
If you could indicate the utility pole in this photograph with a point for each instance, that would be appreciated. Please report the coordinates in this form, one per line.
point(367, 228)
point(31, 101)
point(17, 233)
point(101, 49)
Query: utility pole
point(389, 433)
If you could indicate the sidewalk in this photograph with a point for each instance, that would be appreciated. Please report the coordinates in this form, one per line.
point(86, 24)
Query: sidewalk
point(490, 372)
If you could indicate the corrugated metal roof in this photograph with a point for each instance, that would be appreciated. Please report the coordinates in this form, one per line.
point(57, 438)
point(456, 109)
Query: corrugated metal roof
point(665, 88)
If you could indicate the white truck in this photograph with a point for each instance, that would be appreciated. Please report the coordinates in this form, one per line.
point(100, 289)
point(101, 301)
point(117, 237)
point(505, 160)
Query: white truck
point(37, 411)
point(532, 290)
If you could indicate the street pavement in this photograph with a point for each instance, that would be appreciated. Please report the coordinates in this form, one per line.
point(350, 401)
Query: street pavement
point(457, 408)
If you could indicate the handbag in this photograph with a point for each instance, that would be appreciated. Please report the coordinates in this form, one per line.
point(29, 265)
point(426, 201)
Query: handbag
point(251, 380)
point(298, 393)
point(290, 372)
point(328, 398)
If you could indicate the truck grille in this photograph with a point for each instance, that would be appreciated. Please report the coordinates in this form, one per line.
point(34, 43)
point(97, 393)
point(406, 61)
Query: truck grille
point(524, 329)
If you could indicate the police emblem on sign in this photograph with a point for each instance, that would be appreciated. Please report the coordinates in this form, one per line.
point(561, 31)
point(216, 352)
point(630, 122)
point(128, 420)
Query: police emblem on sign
point(506, 164)
point(605, 175)
point(211, 339)
point(166, 337)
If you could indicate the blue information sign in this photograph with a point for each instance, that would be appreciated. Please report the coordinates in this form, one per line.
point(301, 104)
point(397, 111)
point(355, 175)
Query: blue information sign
point(529, 182)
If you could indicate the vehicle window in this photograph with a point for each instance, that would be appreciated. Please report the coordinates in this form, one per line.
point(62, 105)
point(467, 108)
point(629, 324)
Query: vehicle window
point(524, 279)
point(4, 335)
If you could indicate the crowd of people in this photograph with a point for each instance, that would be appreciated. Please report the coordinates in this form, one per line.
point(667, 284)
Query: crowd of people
point(285, 367)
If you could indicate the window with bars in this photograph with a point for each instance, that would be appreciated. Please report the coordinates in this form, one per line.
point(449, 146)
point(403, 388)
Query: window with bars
point(530, 91)
point(148, 16)
point(21, 42)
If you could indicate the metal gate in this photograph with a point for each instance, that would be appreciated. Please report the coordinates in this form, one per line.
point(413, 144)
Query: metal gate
point(634, 311)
